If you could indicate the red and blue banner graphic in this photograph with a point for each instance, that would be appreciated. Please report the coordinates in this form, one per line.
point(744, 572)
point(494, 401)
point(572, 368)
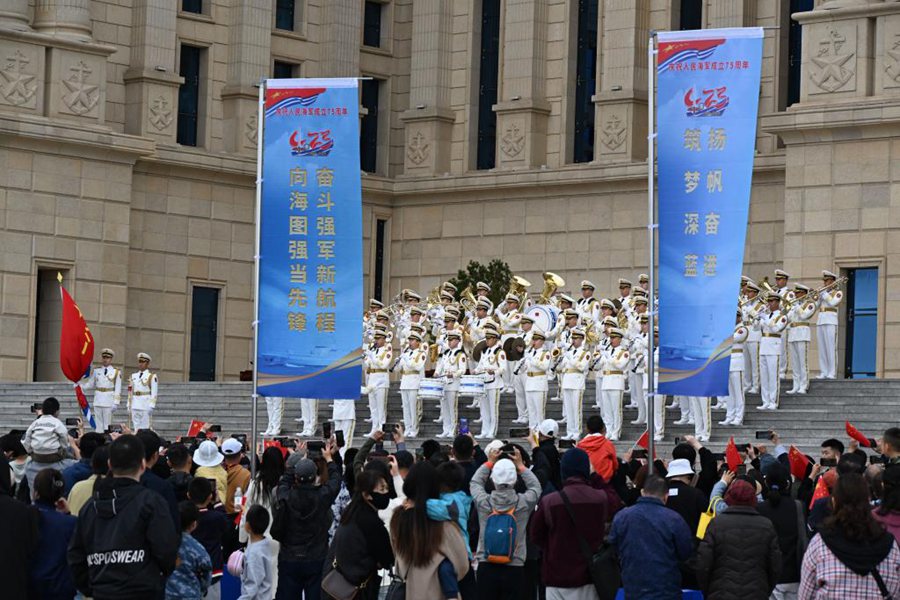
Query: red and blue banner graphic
point(706, 108)
point(310, 263)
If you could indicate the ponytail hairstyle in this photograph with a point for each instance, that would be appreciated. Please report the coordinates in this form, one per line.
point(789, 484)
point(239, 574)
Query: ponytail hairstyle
point(778, 482)
point(48, 486)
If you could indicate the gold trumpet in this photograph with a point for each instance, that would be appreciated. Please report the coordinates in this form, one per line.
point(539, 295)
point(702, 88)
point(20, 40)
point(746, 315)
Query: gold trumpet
point(552, 282)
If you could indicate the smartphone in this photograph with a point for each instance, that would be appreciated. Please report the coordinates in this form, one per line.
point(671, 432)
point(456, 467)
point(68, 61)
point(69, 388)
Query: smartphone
point(741, 470)
point(764, 435)
point(876, 459)
point(71, 421)
point(570, 444)
point(389, 428)
point(519, 432)
point(420, 453)
point(446, 449)
point(677, 440)
point(215, 428)
point(114, 429)
point(36, 407)
point(828, 462)
point(326, 429)
point(636, 453)
point(719, 456)
point(315, 446)
point(339, 438)
point(463, 426)
point(73, 433)
point(241, 437)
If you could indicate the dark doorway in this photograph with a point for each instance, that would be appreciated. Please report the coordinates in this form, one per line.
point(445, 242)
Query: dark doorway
point(204, 333)
point(862, 323)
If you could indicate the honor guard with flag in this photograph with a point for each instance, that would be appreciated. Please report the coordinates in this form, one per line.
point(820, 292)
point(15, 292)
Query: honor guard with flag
point(411, 364)
point(142, 393)
point(734, 402)
point(106, 381)
point(612, 368)
point(798, 337)
point(536, 365)
point(572, 368)
point(826, 325)
point(377, 361)
point(492, 365)
point(772, 324)
point(451, 367)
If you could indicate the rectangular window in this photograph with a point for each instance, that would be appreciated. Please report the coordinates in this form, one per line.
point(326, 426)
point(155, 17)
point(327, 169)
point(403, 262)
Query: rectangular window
point(586, 80)
point(372, 24)
point(691, 15)
point(368, 131)
point(204, 333)
point(862, 323)
point(284, 70)
point(795, 51)
point(189, 95)
point(487, 88)
point(192, 6)
point(284, 14)
point(380, 228)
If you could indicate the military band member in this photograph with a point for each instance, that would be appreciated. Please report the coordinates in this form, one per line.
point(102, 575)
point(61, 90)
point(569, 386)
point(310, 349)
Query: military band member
point(567, 322)
point(565, 302)
point(587, 306)
point(659, 400)
point(274, 412)
point(309, 415)
point(451, 324)
point(412, 368)
point(451, 289)
point(482, 292)
point(612, 364)
point(510, 318)
point(536, 365)
point(644, 282)
point(383, 322)
point(625, 295)
point(377, 362)
point(451, 367)
point(436, 313)
point(683, 404)
point(771, 323)
point(752, 307)
point(605, 325)
point(826, 327)
point(798, 338)
point(519, 377)
point(142, 393)
point(784, 292)
point(572, 369)
point(734, 403)
point(416, 316)
point(493, 365)
point(106, 381)
point(343, 415)
point(637, 366)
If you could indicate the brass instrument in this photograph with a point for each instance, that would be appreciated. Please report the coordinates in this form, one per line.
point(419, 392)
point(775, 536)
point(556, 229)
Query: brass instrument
point(590, 332)
point(837, 282)
point(467, 299)
point(518, 286)
point(433, 353)
point(555, 358)
point(552, 282)
point(432, 300)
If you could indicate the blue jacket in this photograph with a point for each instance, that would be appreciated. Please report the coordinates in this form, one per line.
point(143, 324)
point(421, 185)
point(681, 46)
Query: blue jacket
point(191, 577)
point(651, 539)
point(452, 506)
point(50, 575)
point(75, 473)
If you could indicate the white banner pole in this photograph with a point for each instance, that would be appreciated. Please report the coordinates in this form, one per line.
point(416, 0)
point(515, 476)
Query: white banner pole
point(651, 233)
point(260, 120)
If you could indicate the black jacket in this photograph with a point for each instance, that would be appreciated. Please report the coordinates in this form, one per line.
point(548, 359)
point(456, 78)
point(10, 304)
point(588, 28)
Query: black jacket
point(547, 466)
point(687, 501)
point(360, 547)
point(124, 545)
point(792, 536)
point(154, 482)
point(18, 540)
point(303, 516)
point(739, 558)
point(180, 482)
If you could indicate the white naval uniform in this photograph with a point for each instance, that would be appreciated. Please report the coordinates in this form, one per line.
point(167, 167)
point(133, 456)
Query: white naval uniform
point(377, 361)
point(798, 338)
point(510, 326)
point(412, 368)
point(492, 364)
point(309, 414)
point(702, 413)
point(518, 378)
point(613, 363)
point(536, 368)
point(603, 346)
point(734, 402)
point(142, 398)
point(107, 385)
point(659, 401)
point(772, 325)
point(572, 369)
point(636, 370)
point(588, 308)
point(826, 333)
point(274, 412)
point(343, 414)
point(451, 366)
point(751, 347)
point(786, 293)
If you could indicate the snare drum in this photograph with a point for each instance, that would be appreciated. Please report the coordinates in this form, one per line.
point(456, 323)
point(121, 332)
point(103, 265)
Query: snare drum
point(471, 385)
point(431, 388)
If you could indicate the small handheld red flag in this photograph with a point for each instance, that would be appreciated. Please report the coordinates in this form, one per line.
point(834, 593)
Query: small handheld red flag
point(821, 491)
point(798, 461)
point(732, 456)
point(195, 428)
point(854, 433)
point(644, 440)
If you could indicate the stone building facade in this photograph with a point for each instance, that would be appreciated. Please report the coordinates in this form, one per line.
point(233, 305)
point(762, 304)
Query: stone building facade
point(128, 135)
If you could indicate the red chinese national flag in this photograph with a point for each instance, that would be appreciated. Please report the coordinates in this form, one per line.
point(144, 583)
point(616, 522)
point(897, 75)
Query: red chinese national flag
point(644, 440)
point(821, 491)
point(76, 344)
point(732, 456)
point(854, 433)
point(195, 428)
point(798, 462)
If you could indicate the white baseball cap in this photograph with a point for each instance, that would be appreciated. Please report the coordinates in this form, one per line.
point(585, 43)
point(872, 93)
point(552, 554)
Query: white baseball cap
point(504, 472)
point(494, 445)
point(549, 428)
point(232, 446)
point(208, 455)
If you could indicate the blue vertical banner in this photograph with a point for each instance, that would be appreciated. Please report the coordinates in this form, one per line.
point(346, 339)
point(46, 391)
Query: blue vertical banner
point(310, 241)
point(707, 102)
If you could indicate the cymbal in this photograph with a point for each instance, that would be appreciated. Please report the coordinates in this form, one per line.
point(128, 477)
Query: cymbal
point(479, 348)
point(514, 348)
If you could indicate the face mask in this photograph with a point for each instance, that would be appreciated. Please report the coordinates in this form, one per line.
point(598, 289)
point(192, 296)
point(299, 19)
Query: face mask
point(380, 501)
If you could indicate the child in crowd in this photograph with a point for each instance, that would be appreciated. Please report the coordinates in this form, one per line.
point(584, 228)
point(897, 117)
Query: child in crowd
point(192, 576)
point(212, 525)
point(47, 442)
point(257, 578)
point(453, 505)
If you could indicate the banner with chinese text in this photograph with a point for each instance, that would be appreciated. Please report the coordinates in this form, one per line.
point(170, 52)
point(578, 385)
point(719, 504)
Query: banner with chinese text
point(310, 263)
point(707, 102)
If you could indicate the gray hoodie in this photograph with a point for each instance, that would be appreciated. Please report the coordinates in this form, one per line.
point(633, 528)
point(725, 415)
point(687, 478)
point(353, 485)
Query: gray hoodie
point(502, 499)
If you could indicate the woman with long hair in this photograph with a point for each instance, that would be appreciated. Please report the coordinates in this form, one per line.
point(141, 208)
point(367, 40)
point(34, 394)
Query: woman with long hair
point(888, 514)
point(431, 555)
point(786, 515)
point(361, 544)
point(51, 578)
point(262, 488)
point(852, 556)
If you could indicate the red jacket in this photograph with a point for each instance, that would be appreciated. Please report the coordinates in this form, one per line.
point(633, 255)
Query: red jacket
point(602, 453)
point(551, 528)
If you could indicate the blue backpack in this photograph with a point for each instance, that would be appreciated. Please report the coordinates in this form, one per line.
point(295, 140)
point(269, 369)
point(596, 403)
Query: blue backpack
point(500, 531)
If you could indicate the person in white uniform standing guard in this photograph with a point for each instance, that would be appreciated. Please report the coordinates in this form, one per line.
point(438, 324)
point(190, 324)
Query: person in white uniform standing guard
point(309, 414)
point(492, 365)
point(377, 361)
point(106, 381)
point(798, 338)
point(612, 365)
point(451, 366)
point(734, 402)
point(573, 367)
point(772, 324)
point(537, 368)
point(142, 393)
point(826, 326)
point(412, 368)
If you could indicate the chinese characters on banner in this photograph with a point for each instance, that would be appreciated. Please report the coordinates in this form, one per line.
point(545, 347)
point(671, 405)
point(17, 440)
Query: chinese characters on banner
point(706, 107)
point(310, 276)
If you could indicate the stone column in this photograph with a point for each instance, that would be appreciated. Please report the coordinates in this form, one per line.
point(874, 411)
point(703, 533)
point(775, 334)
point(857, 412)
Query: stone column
point(64, 18)
point(429, 120)
point(341, 37)
point(151, 83)
point(621, 100)
point(250, 50)
point(732, 13)
point(14, 15)
point(523, 109)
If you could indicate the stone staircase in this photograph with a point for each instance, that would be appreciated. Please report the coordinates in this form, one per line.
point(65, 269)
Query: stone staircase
point(871, 405)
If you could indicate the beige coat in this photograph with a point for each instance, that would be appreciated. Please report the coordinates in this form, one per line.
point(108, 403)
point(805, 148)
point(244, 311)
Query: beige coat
point(422, 582)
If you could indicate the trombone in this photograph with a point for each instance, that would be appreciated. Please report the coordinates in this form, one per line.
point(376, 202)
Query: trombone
point(837, 282)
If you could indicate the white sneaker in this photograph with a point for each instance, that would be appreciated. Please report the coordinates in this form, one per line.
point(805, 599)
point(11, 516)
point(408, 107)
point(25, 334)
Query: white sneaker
point(561, 421)
point(520, 421)
point(681, 422)
point(658, 438)
point(725, 422)
point(763, 407)
point(631, 406)
point(753, 390)
point(791, 392)
point(369, 420)
point(719, 407)
point(638, 422)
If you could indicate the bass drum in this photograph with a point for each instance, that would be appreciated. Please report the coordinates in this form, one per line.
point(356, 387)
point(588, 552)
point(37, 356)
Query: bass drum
point(545, 316)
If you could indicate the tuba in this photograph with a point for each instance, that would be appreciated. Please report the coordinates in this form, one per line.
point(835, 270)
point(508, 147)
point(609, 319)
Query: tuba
point(519, 287)
point(467, 300)
point(552, 282)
